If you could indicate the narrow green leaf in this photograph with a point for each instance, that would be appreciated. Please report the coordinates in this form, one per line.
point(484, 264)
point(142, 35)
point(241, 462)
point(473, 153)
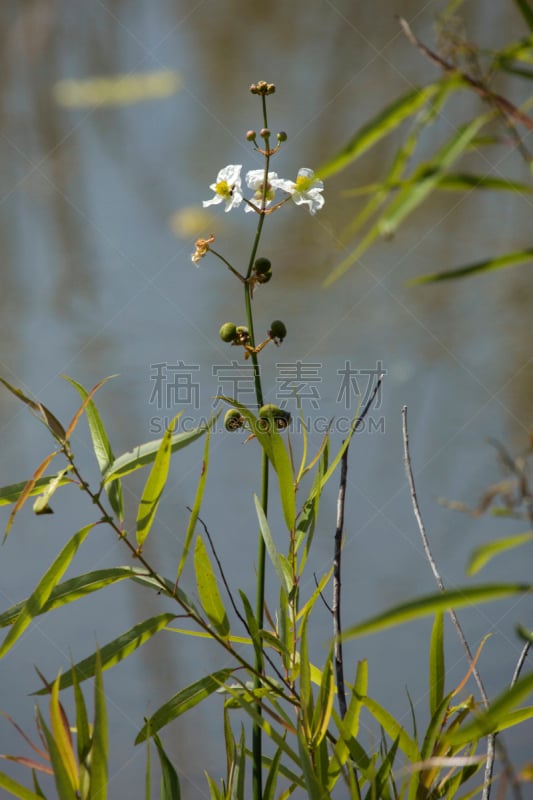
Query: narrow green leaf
point(526, 11)
point(170, 784)
point(488, 265)
point(208, 590)
point(115, 651)
point(62, 737)
point(393, 729)
point(282, 466)
point(41, 593)
point(483, 554)
point(377, 128)
point(10, 494)
point(306, 692)
point(191, 527)
point(99, 749)
point(489, 721)
point(27, 491)
point(183, 701)
point(17, 789)
point(270, 732)
point(429, 604)
point(154, 486)
point(417, 190)
point(61, 778)
point(284, 578)
point(437, 671)
point(240, 770)
point(349, 726)
point(269, 792)
point(145, 454)
point(324, 702)
point(101, 446)
point(41, 505)
point(314, 792)
point(73, 589)
point(83, 733)
point(435, 728)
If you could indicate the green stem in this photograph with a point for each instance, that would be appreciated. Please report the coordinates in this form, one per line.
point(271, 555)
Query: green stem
point(257, 745)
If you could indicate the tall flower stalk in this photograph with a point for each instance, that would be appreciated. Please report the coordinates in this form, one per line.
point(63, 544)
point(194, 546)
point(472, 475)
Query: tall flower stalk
point(228, 190)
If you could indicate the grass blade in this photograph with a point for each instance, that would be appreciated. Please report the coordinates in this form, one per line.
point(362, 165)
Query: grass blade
point(170, 784)
point(196, 507)
point(483, 554)
point(283, 574)
point(437, 671)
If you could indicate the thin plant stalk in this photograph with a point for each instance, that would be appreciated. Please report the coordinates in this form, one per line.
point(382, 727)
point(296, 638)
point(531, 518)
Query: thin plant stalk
point(257, 734)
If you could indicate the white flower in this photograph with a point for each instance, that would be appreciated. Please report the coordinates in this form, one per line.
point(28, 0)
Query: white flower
point(255, 180)
point(305, 191)
point(227, 188)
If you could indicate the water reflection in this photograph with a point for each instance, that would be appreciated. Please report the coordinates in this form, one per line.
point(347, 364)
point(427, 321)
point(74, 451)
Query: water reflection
point(94, 282)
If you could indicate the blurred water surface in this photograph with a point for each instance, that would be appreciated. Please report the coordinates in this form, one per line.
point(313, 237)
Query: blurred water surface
point(95, 282)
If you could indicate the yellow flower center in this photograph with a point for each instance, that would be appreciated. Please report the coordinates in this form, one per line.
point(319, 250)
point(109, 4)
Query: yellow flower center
point(223, 188)
point(303, 182)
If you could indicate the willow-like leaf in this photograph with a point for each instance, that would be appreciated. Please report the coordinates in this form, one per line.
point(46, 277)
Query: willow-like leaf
point(196, 507)
point(101, 446)
point(442, 601)
point(73, 589)
point(99, 746)
point(62, 737)
point(170, 784)
point(41, 594)
point(154, 486)
point(483, 554)
point(10, 494)
point(208, 593)
point(115, 651)
point(377, 128)
point(284, 575)
point(496, 717)
point(145, 454)
point(183, 701)
point(437, 670)
point(65, 790)
point(479, 268)
point(17, 789)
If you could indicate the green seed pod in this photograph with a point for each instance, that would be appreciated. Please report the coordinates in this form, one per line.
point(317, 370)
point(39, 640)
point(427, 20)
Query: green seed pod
point(228, 332)
point(233, 419)
point(277, 330)
point(272, 414)
point(264, 277)
point(262, 266)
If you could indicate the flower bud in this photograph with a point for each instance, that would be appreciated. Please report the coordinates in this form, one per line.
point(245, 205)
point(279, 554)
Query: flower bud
point(282, 136)
point(250, 136)
point(233, 419)
point(228, 332)
point(277, 330)
point(262, 265)
point(264, 133)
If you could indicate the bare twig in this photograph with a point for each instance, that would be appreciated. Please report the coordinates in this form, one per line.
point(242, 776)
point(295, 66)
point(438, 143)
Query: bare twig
point(336, 604)
point(321, 594)
point(504, 106)
point(520, 663)
point(489, 765)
